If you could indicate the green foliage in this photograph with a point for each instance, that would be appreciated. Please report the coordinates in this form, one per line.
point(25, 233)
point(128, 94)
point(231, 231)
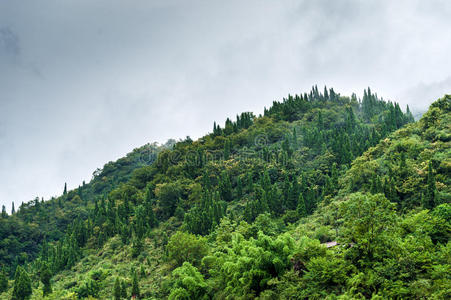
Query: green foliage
point(188, 283)
point(186, 247)
point(367, 222)
point(248, 265)
point(117, 289)
point(22, 285)
point(135, 285)
point(258, 197)
point(45, 277)
point(3, 282)
point(168, 196)
point(89, 288)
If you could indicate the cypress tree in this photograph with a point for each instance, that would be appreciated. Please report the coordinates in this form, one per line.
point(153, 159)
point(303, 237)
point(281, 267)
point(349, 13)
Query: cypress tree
point(124, 289)
point(117, 289)
point(250, 183)
point(135, 285)
point(22, 285)
point(142, 272)
point(430, 197)
point(65, 188)
point(3, 282)
point(227, 149)
point(225, 187)
point(301, 210)
point(239, 187)
point(403, 165)
point(4, 214)
point(46, 275)
point(13, 210)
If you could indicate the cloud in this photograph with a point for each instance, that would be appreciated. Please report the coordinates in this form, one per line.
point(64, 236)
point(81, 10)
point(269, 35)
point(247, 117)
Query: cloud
point(9, 42)
point(422, 94)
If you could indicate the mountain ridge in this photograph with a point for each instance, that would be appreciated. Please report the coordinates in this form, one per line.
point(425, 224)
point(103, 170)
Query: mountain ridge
point(264, 173)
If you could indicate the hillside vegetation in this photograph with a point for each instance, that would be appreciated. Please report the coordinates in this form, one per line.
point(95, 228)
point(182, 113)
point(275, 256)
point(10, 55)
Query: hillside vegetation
point(324, 196)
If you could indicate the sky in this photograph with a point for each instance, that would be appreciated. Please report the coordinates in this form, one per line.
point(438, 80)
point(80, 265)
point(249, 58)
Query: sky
point(83, 82)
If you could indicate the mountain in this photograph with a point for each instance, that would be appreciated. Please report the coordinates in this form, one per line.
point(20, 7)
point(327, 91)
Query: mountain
point(323, 196)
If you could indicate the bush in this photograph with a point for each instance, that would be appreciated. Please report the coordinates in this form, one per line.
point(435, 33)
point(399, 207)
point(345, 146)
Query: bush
point(185, 247)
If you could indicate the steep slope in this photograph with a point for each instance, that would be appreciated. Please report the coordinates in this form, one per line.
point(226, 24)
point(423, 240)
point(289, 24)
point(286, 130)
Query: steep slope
point(255, 173)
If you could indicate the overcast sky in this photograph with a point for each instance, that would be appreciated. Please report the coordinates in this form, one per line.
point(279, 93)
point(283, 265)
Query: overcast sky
point(83, 82)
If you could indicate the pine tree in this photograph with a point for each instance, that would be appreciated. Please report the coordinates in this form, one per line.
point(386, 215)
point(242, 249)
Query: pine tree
point(266, 181)
point(295, 138)
point(293, 195)
point(227, 149)
point(403, 165)
point(117, 289)
point(65, 188)
point(3, 282)
point(13, 210)
point(142, 272)
point(301, 210)
point(137, 246)
point(430, 197)
point(46, 275)
point(22, 285)
point(225, 187)
point(124, 289)
point(239, 187)
point(320, 123)
point(4, 214)
point(135, 285)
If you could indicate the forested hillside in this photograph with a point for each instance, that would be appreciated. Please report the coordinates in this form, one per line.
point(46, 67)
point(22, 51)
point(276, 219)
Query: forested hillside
point(22, 233)
point(321, 196)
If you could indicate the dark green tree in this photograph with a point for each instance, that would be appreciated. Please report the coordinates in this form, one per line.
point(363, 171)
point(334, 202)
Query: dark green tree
point(227, 149)
point(430, 197)
point(3, 282)
point(65, 189)
point(301, 210)
point(22, 285)
point(45, 276)
point(124, 289)
point(117, 289)
point(225, 187)
point(135, 285)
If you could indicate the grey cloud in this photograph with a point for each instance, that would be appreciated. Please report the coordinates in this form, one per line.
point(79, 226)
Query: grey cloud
point(9, 42)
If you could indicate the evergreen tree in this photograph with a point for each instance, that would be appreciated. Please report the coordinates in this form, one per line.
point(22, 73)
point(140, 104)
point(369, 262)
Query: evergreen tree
point(13, 210)
point(225, 187)
point(227, 149)
point(4, 214)
point(124, 289)
point(45, 277)
point(142, 272)
point(430, 197)
point(22, 285)
point(65, 188)
point(239, 187)
point(117, 289)
point(137, 246)
point(3, 282)
point(295, 138)
point(135, 285)
point(403, 165)
point(301, 210)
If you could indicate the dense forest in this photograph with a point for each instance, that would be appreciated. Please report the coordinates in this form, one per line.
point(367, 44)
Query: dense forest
point(323, 196)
